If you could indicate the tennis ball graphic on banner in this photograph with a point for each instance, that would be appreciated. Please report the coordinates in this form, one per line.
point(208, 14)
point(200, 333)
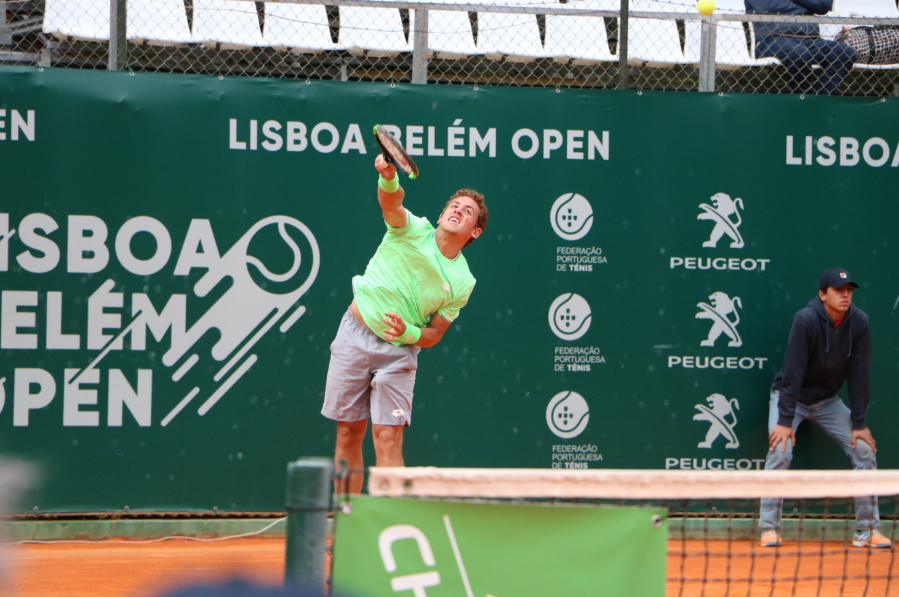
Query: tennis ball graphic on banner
point(567, 414)
point(569, 316)
point(571, 216)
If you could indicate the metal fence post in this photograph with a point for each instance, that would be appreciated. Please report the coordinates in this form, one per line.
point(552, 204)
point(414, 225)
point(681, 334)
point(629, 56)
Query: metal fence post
point(708, 33)
point(623, 68)
point(5, 33)
point(118, 20)
point(420, 48)
point(309, 485)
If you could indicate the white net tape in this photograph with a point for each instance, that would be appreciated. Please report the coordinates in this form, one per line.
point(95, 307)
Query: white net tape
point(628, 484)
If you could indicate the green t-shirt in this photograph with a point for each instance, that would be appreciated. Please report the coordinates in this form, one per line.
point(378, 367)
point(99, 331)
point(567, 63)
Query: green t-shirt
point(410, 276)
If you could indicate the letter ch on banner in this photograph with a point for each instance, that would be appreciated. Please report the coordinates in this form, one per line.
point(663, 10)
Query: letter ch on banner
point(414, 582)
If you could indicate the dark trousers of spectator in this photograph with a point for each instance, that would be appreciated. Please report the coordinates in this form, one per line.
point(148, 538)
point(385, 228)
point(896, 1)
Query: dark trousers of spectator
point(799, 53)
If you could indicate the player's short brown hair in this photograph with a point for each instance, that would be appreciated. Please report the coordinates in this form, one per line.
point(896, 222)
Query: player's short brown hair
point(483, 213)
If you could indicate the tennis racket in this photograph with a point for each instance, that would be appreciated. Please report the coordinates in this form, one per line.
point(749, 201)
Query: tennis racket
point(394, 153)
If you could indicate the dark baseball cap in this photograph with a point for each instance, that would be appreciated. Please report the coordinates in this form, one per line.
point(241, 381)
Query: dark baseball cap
point(834, 278)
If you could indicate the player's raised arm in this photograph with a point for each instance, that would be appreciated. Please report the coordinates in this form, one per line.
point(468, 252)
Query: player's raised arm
point(429, 336)
point(390, 194)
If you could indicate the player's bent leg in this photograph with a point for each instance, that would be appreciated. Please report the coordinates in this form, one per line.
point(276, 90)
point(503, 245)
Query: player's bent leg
point(349, 449)
point(391, 400)
point(771, 509)
point(392, 386)
point(388, 444)
point(867, 511)
point(834, 417)
point(348, 386)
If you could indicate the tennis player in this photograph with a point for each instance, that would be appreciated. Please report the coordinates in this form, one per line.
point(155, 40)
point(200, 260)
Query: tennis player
point(412, 289)
point(830, 343)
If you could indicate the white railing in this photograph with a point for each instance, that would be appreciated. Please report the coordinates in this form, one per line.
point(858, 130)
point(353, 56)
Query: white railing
point(654, 33)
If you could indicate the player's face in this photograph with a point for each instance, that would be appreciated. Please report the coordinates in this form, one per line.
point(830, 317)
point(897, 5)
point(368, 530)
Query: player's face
point(837, 299)
point(461, 217)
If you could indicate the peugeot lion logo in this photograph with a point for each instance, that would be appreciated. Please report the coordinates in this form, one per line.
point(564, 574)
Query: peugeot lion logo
point(724, 208)
point(571, 216)
point(716, 414)
point(722, 306)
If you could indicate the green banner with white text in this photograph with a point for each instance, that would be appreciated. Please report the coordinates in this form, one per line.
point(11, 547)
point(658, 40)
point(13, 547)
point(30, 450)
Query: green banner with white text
point(455, 548)
point(176, 253)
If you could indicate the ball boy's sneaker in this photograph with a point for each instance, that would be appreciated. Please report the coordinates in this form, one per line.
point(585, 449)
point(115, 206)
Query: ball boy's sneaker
point(771, 539)
point(873, 539)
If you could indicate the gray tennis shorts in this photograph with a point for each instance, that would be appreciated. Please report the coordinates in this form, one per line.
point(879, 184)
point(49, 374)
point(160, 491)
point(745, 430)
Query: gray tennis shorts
point(369, 377)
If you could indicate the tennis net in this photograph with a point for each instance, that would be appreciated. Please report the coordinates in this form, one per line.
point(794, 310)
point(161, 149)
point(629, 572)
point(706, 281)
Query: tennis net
point(712, 520)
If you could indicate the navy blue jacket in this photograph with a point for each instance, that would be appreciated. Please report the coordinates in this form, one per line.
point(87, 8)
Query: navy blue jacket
point(788, 7)
point(821, 357)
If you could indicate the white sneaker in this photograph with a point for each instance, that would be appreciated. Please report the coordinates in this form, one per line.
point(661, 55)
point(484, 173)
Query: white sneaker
point(873, 539)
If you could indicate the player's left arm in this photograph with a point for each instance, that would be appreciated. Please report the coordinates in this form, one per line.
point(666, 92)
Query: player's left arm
point(433, 333)
point(858, 384)
point(430, 335)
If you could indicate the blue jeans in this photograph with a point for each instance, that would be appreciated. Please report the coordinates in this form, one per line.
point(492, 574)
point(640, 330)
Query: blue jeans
point(799, 53)
point(831, 415)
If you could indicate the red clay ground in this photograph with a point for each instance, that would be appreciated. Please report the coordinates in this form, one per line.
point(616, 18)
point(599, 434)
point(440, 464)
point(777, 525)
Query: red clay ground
point(147, 570)
point(140, 570)
point(748, 560)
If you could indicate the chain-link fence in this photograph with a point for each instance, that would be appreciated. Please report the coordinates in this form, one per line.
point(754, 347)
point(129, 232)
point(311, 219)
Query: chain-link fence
point(642, 44)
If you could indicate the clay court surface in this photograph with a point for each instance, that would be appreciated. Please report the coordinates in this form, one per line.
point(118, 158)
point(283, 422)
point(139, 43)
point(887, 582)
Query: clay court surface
point(747, 560)
point(108, 569)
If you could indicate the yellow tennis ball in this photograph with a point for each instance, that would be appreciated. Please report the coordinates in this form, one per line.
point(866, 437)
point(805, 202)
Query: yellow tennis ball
point(705, 7)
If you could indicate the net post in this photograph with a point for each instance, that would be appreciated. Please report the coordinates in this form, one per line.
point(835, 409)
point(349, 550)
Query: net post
point(118, 20)
point(420, 48)
point(623, 68)
point(309, 483)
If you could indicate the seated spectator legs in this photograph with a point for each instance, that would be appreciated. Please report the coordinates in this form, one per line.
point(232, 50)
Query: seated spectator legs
point(798, 53)
point(792, 53)
point(836, 59)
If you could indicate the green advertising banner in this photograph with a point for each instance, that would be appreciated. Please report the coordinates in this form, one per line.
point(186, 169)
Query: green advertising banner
point(176, 253)
point(384, 546)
